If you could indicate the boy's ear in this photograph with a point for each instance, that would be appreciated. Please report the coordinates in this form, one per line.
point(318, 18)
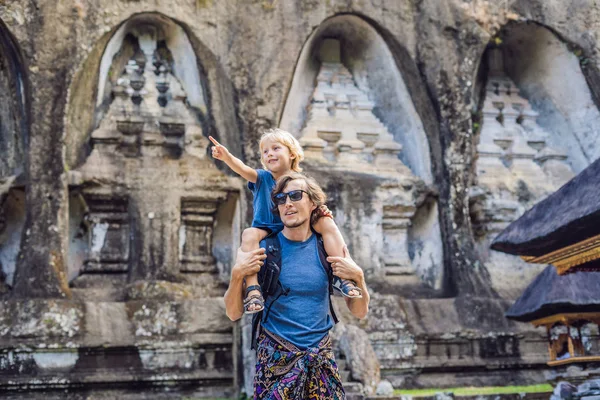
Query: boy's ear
point(292, 156)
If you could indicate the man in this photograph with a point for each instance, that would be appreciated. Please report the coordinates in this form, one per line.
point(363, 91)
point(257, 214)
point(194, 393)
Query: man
point(294, 356)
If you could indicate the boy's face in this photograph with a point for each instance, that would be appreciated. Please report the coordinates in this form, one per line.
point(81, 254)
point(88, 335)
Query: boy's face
point(276, 156)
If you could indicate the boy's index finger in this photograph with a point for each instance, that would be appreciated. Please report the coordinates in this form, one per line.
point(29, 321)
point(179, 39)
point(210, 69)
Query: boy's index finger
point(214, 141)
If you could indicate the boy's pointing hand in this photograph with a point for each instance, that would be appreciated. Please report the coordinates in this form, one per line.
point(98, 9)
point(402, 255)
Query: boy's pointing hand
point(219, 151)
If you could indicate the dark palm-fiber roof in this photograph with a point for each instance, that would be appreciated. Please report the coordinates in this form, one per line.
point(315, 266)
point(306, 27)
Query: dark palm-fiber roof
point(569, 215)
point(551, 294)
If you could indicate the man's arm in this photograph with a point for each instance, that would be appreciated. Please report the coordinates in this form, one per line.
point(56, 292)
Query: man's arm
point(346, 268)
point(245, 264)
point(220, 152)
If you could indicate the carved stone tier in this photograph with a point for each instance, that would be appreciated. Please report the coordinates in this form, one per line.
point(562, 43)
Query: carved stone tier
point(490, 216)
point(396, 221)
point(554, 166)
point(522, 165)
point(341, 126)
point(511, 148)
point(149, 115)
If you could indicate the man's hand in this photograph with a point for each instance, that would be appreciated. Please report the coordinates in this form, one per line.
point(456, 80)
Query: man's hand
point(248, 263)
point(345, 267)
point(219, 151)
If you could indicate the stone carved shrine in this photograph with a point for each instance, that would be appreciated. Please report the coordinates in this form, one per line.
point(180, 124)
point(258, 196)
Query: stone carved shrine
point(342, 132)
point(515, 166)
point(132, 197)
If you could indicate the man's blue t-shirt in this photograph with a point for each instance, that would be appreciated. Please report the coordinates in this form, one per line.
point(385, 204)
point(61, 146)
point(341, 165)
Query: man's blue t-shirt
point(302, 315)
point(262, 203)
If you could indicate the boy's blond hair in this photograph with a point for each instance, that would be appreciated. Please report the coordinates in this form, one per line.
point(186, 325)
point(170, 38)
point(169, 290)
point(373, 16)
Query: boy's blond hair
point(289, 141)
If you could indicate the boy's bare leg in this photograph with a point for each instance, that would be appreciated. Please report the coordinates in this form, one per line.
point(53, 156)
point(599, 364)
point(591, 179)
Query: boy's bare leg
point(334, 243)
point(251, 238)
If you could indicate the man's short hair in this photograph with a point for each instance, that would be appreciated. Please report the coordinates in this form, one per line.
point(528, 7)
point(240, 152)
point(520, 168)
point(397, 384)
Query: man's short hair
point(312, 188)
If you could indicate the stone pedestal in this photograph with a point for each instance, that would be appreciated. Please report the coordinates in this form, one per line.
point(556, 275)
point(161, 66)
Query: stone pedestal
point(396, 220)
point(108, 222)
point(195, 234)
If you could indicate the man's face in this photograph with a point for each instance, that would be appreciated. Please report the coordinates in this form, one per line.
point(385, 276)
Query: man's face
point(296, 213)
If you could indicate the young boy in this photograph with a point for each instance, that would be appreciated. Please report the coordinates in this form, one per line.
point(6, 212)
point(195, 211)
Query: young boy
point(280, 153)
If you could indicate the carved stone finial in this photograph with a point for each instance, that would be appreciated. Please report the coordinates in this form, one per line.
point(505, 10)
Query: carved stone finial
point(162, 85)
point(136, 81)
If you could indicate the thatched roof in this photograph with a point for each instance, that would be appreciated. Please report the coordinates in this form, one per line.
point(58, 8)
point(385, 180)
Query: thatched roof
point(551, 294)
point(569, 215)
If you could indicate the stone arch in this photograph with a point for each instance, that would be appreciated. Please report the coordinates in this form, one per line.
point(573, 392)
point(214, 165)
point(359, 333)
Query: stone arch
point(536, 124)
point(15, 108)
point(144, 196)
point(369, 59)
point(14, 137)
point(353, 113)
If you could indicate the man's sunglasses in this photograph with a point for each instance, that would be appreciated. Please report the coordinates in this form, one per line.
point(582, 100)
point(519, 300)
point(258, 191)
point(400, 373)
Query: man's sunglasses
point(294, 195)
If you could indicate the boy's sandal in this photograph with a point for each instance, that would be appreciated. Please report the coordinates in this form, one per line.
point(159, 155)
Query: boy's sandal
point(345, 286)
point(255, 299)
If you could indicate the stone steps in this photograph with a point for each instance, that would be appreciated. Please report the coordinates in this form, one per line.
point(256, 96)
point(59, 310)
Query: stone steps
point(352, 388)
point(343, 370)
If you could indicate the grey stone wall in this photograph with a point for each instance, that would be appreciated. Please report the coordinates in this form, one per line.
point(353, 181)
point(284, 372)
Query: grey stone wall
point(439, 323)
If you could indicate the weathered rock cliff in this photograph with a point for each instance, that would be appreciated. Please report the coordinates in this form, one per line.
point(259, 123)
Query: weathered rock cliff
point(117, 231)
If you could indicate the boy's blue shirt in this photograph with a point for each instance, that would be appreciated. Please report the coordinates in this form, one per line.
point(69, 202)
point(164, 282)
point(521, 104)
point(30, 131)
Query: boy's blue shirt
point(262, 203)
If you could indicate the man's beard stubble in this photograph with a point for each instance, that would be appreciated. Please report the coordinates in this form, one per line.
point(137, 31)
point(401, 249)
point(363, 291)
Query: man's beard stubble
point(296, 224)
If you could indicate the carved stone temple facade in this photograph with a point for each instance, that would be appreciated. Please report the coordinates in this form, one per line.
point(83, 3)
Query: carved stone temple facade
point(431, 125)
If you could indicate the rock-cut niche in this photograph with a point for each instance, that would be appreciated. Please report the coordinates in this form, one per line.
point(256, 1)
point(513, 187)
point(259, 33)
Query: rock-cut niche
point(13, 138)
point(144, 204)
point(363, 139)
point(537, 127)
